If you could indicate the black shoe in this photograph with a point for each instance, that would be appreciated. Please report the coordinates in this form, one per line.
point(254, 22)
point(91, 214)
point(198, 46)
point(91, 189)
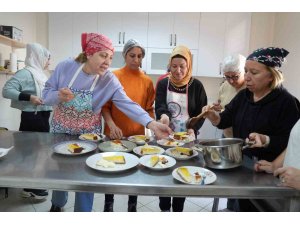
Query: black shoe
point(132, 207)
point(55, 209)
point(108, 207)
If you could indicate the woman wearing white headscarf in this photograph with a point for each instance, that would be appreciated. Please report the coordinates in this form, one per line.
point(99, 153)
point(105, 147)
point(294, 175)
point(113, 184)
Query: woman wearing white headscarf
point(25, 89)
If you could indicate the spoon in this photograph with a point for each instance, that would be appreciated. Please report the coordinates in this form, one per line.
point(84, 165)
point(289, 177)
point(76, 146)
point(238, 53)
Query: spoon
point(194, 120)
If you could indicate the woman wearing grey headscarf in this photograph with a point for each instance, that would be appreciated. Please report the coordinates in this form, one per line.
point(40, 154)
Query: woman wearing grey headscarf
point(24, 89)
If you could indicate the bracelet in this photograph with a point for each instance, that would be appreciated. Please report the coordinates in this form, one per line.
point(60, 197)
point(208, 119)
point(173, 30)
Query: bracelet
point(267, 142)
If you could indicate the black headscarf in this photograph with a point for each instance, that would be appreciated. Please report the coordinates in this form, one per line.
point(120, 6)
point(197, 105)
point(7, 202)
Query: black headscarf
point(271, 56)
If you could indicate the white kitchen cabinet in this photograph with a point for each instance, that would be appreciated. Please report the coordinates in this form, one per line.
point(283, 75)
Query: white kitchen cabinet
point(60, 37)
point(167, 30)
point(120, 27)
point(158, 60)
point(221, 34)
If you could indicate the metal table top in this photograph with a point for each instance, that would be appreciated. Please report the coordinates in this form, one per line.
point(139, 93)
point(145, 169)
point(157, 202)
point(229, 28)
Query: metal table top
point(33, 164)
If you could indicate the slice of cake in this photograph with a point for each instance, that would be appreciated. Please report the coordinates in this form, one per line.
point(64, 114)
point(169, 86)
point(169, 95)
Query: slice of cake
point(118, 159)
point(154, 160)
point(183, 151)
point(75, 148)
point(185, 174)
point(180, 135)
point(149, 150)
point(91, 137)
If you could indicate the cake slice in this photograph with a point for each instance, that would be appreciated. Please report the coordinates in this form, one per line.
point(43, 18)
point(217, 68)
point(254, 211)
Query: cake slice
point(183, 151)
point(118, 159)
point(185, 174)
point(149, 150)
point(90, 136)
point(154, 160)
point(180, 135)
point(75, 148)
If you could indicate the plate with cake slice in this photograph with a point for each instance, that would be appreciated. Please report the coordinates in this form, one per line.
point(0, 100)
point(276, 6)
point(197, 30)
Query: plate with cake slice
point(92, 137)
point(140, 139)
point(194, 175)
point(182, 137)
point(169, 143)
point(148, 150)
point(157, 162)
point(181, 153)
point(74, 147)
point(117, 146)
point(112, 161)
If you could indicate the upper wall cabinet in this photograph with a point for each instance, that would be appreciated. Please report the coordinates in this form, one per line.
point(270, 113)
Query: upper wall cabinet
point(120, 27)
point(167, 30)
point(221, 34)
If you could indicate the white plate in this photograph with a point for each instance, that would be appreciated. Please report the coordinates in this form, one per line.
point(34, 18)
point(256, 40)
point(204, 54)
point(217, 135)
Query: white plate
point(135, 139)
point(189, 139)
point(109, 146)
point(131, 161)
point(210, 176)
point(62, 147)
point(145, 161)
point(137, 150)
point(180, 157)
point(164, 142)
point(100, 137)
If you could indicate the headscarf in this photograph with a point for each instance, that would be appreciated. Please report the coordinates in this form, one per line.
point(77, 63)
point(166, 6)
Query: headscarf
point(36, 58)
point(186, 53)
point(271, 56)
point(131, 44)
point(92, 42)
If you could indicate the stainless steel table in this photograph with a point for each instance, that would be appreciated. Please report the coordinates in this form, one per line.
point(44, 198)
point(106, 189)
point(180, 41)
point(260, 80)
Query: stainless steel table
point(32, 164)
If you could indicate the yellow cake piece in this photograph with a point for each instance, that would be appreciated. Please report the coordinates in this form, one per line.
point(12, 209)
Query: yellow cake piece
point(149, 150)
point(183, 151)
point(118, 159)
point(75, 148)
point(185, 174)
point(90, 136)
point(180, 135)
point(154, 160)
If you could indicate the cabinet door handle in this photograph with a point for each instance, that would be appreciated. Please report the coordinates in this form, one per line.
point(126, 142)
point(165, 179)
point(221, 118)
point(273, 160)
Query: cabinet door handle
point(171, 40)
point(120, 37)
point(175, 41)
point(220, 69)
point(123, 37)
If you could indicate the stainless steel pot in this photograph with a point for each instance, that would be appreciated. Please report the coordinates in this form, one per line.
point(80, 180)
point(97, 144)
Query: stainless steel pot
point(222, 153)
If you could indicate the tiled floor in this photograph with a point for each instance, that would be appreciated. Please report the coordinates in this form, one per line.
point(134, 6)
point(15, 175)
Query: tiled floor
point(14, 203)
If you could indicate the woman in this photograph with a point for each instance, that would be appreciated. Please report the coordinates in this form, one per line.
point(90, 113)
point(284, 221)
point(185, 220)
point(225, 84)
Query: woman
point(265, 106)
point(79, 88)
point(179, 97)
point(117, 124)
point(24, 89)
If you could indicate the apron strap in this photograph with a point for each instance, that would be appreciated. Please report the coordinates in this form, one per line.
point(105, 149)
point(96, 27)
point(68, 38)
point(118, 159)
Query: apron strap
point(75, 75)
point(95, 82)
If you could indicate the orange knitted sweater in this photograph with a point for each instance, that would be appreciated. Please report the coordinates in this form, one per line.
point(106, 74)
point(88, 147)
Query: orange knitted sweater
point(139, 88)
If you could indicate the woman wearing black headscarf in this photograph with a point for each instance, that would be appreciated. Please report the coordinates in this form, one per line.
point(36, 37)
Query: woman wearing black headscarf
point(264, 107)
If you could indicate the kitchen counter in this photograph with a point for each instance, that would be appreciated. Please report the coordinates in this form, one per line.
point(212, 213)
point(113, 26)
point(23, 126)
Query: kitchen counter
point(32, 164)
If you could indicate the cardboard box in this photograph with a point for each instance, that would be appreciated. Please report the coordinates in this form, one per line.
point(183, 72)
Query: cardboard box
point(11, 32)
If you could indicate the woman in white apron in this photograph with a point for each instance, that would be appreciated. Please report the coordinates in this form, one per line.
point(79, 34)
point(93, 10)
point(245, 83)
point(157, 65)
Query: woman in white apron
point(79, 88)
point(179, 97)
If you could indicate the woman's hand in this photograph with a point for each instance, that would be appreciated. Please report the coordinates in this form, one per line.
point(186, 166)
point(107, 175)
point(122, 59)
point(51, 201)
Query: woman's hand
point(115, 132)
point(289, 177)
point(160, 130)
point(258, 140)
point(65, 95)
point(164, 119)
point(35, 100)
point(211, 114)
point(264, 166)
point(191, 133)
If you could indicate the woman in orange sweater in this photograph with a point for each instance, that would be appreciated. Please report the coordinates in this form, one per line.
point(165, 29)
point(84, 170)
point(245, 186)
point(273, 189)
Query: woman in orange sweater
point(139, 87)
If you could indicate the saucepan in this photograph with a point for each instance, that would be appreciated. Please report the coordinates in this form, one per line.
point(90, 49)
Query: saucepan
point(223, 153)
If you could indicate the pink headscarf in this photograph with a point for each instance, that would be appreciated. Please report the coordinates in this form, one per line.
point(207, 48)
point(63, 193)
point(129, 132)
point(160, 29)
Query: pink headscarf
point(92, 42)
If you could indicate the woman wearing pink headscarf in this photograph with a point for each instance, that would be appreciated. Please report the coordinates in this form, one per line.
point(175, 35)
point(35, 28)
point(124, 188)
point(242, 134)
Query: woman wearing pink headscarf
point(79, 88)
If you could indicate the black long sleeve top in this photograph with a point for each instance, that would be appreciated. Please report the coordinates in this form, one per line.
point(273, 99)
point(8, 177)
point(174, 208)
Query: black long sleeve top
point(196, 99)
point(274, 115)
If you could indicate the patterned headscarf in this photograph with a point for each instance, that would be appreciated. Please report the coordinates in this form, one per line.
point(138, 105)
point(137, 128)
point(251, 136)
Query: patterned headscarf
point(92, 42)
point(271, 56)
point(186, 53)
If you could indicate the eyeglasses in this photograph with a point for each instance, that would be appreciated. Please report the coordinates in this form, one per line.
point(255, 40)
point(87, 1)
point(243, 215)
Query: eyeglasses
point(234, 78)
